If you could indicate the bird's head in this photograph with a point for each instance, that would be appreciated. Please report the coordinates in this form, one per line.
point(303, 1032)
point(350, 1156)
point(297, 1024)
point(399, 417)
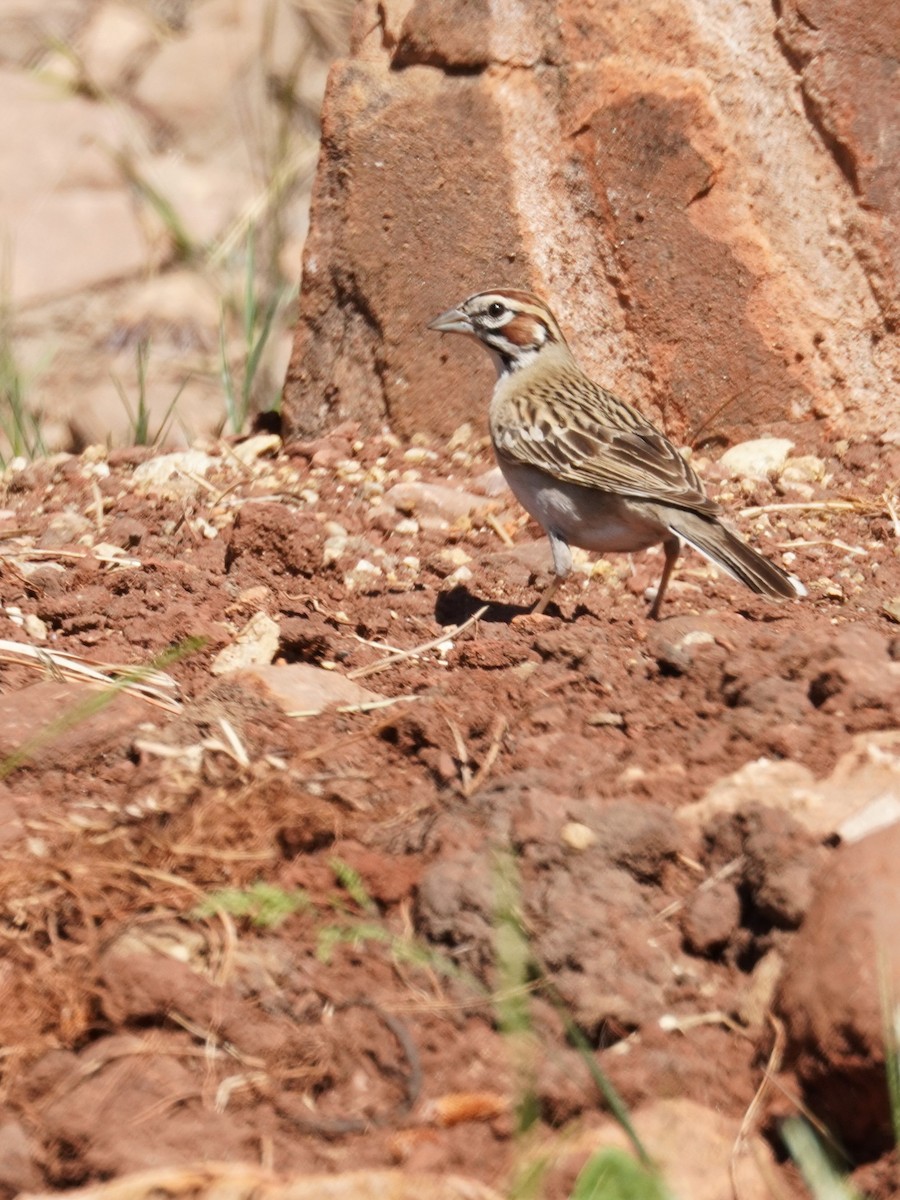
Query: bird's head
point(514, 326)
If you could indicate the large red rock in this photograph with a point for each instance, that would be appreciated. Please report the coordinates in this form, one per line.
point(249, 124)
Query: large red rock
point(848, 54)
point(840, 989)
point(649, 169)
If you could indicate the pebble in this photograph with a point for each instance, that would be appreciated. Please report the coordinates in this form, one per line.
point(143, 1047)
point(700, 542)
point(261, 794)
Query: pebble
point(453, 556)
point(302, 689)
point(36, 629)
point(433, 500)
point(806, 468)
point(361, 577)
point(252, 448)
point(756, 459)
point(606, 718)
point(461, 436)
point(577, 836)
point(155, 472)
point(491, 483)
point(333, 548)
point(64, 529)
point(257, 643)
point(675, 641)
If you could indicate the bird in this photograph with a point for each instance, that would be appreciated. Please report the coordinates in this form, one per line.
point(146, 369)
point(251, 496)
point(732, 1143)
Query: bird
point(585, 464)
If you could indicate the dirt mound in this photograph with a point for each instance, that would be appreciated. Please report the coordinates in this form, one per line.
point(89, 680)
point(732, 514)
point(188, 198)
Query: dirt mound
point(242, 923)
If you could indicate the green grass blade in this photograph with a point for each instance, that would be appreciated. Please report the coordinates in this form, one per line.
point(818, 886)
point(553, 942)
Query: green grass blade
point(264, 904)
point(614, 1175)
point(890, 1012)
point(614, 1101)
point(351, 881)
point(231, 405)
point(822, 1178)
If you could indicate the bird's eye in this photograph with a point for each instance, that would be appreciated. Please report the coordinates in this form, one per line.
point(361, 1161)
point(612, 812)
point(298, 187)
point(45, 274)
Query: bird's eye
point(496, 309)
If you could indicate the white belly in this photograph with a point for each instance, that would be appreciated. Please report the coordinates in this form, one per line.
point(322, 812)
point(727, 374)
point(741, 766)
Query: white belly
point(593, 520)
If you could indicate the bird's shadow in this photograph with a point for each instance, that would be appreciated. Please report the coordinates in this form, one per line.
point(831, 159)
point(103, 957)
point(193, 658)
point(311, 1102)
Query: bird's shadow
point(456, 606)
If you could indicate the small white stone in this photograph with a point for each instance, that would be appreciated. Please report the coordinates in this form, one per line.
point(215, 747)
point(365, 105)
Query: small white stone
point(205, 528)
point(182, 465)
point(461, 437)
point(806, 468)
point(433, 500)
point(333, 548)
point(256, 447)
point(577, 836)
point(756, 459)
point(255, 645)
point(455, 556)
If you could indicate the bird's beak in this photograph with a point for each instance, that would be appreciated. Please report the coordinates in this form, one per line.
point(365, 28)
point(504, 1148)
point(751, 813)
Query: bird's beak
point(454, 320)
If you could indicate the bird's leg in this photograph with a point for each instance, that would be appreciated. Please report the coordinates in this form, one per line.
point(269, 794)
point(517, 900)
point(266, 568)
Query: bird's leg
point(546, 595)
point(562, 565)
point(671, 549)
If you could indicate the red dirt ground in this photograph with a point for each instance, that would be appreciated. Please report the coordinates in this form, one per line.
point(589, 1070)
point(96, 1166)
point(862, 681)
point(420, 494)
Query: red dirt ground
point(144, 1026)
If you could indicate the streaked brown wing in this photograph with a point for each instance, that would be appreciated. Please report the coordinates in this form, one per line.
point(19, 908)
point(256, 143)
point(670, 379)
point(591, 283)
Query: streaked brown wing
point(604, 444)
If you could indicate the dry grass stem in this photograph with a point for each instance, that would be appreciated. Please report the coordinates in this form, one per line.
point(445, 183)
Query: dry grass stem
point(498, 733)
point(798, 543)
point(149, 684)
point(451, 632)
point(724, 872)
point(891, 505)
point(669, 1023)
point(237, 748)
point(748, 1124)
point(757, 510)
point(462, 754)
point(491, 519)
point(351, 709)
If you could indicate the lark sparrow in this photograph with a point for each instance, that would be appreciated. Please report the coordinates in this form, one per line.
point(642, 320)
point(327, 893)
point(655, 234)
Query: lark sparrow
point(586, 465)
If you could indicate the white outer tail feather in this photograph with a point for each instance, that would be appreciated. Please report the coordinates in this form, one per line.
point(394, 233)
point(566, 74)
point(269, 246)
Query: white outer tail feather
point(723, 564)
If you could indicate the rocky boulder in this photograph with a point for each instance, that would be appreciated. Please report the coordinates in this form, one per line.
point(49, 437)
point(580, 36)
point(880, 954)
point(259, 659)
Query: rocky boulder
point(839, 992)
point(719, 245)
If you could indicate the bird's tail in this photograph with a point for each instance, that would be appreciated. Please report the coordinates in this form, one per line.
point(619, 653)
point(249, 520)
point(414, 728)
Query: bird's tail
point(732, 554)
